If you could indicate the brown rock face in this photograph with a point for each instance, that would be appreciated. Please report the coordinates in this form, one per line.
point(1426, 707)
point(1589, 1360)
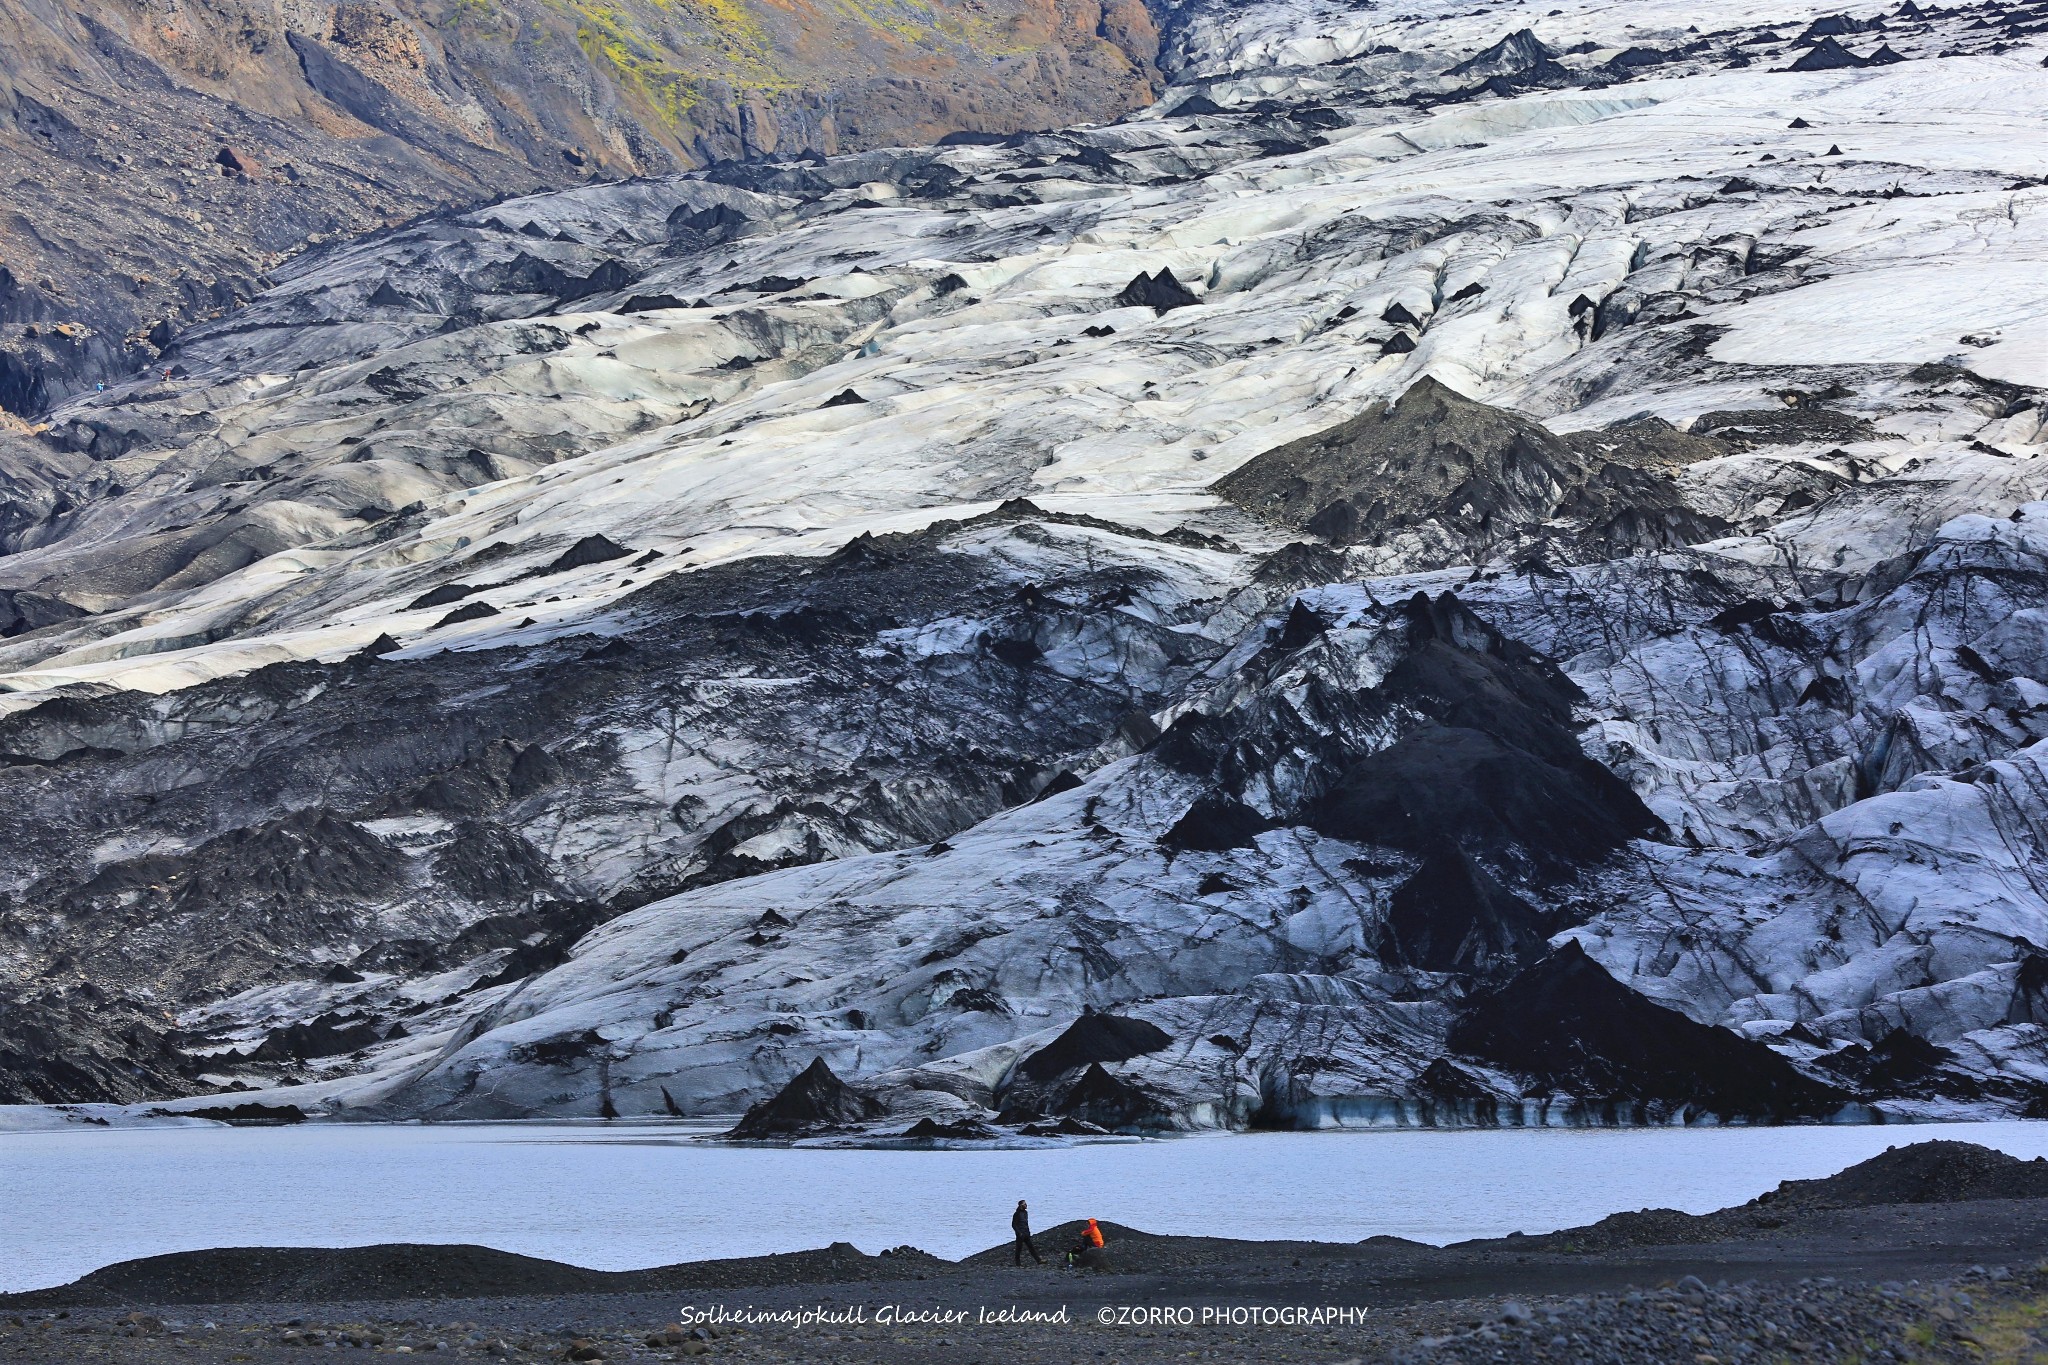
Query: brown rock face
point(169, 155)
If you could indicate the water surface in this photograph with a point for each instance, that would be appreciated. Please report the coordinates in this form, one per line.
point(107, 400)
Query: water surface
point(622, 1196)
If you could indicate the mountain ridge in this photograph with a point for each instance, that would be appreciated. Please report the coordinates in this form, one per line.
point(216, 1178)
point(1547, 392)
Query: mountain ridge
point(172, 158)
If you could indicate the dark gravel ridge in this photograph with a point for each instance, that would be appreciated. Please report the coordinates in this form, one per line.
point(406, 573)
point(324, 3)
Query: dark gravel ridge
point(1932, 1172)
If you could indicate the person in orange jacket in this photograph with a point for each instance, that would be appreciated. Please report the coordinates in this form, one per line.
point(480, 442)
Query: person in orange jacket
point(1091, 1241)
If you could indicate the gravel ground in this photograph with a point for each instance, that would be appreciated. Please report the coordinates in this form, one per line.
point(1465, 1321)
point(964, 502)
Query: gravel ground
point(1986, 1314)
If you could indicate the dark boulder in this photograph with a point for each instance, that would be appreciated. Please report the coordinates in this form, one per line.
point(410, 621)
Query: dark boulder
point(1898, 1064)
point(815, 1101)
point(1445, 1080)
point(1575, 1031)
point(1120, 1106)
point(1065, 780)
point(250, 1114)
point(767, 284)
point(1451, 782)
point(1066, 1127)
point(1492, 765)
point(960, 1130)
point(475, 611)
point(328, 1035)
point(1340, 523)
point(234, 162)
point(597, 549)
point(1302, 626)
point(441, 596)
point(383, 296)
point(1835, 26)
point(1214, 823)
point(1517, 51)
point(1633, 59)
point(1162, 293)
point(608, 276)
point(529, 274)
point(845, 398)
point(1094, 158)
point(710, 219)
point(1431, 456)
point(1544, 75)
point(1091, 1039)
point(1827, 55)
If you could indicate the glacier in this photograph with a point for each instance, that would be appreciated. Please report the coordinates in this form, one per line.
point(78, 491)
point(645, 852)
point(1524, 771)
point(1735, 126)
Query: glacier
point(1570, 547)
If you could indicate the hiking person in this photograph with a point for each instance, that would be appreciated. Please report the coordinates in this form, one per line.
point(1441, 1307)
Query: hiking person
point(1020, 1223)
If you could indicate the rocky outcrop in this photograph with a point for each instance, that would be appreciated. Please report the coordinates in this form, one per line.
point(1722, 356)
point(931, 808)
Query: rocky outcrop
point(1091, 1039)
point(1492, 767)
point(1572, 1028)
point(1448, 479)
point(1518, 51)
point(1453, 916)
point(815, 1101)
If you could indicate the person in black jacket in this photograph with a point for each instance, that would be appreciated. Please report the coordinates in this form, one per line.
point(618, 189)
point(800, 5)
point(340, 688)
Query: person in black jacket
point(1020, 1223)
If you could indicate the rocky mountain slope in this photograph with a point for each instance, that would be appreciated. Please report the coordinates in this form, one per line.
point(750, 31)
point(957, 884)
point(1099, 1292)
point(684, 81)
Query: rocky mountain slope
point(163, 158)
point(1501, 580)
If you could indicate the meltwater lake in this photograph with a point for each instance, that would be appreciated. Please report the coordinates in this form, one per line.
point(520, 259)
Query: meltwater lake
point(622, 1196)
